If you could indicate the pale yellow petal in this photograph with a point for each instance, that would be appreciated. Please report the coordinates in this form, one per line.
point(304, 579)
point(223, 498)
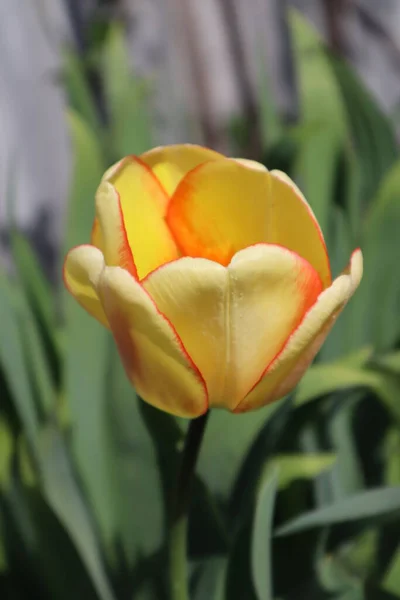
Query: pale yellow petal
point(252, 164)
point(234, 320)
point(109, 232)
point(283, 374)
point(171, 163)
point(82, 268)
point(294, 225)
point(153, 355)
point(192, 293)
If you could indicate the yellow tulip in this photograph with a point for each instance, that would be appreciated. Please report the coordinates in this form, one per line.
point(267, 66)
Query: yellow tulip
point(212, 274)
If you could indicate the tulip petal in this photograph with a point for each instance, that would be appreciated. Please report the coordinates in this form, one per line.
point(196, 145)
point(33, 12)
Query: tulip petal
point(154, 357)
point(234, 320)
point(109, 232)
point(219, 208)
point(286, 370)
point(82, 268)
point(130, 208)
point(96, 237)
point(171, 163)
point(295, 226)
point(192, 294)
point(223, 206)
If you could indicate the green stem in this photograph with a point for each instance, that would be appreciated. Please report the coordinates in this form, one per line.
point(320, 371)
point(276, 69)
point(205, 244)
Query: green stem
point(178, 534)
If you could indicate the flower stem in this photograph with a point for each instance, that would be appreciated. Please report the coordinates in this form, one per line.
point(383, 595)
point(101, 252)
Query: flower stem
point(178, 534)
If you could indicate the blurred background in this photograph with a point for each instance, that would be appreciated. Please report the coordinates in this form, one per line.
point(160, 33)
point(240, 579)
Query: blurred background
point(300, 500)
point(202, 69)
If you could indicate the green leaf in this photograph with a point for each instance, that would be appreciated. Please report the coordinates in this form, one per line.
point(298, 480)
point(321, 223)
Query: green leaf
point(372, 133)
point(3, 554)
point(261, 560)
point(37, 322)
point(127, 98)
point(37, 288)
point(79, 93)
point(300, 466)
point(6, 454)
point(238, 576)
point(116, 66)
point(12, 360)
point(229, 438)
point(64, 498)
point(87, 344)
point(368, 504)
point(88, 169)
point(206, 529)
point(341, 339)
point(37, 362)
point(322, 379)
point(389, 362)
point(138, 498)
point(392, 457)
point(391, 580)
point(26, 469)
point(380, 245)
point(209, 579)
point(346, 475)
point(338, 579)
point(131, 130)
point(322, 107)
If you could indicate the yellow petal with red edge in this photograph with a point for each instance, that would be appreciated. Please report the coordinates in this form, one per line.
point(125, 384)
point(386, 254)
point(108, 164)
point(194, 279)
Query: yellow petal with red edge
point(113, 169)
point(192, 294)
point(96, 238)
point(234, 320)
point(283, 374)
point(294, 225)
point(220, 208)
point(171, 163)
point(109, 232)
point(142, 204)
point(154, 357)
point(82, 268)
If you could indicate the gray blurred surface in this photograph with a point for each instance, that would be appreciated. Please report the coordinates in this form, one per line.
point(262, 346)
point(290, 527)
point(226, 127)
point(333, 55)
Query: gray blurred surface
point(34, 147)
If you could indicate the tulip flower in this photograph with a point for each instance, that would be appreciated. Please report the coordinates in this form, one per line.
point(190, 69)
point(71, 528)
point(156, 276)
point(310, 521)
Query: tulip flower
point(213, 276)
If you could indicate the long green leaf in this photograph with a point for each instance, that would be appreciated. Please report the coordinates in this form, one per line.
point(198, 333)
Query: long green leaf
point(78, 90)
point(12, 360)
point(261, 560)
point(391, 580)
point(226, 443)
point(322, 379)
point(138, 498)
point(368, 504)
point(6, 453)
point(381, 246)
point(127, 98)
point(35, 284)
point(372, 133)
point(63, 496)
point(38, 363)
point(300, 466)
point(321, 106)
point(87, 344)
point(209, 579)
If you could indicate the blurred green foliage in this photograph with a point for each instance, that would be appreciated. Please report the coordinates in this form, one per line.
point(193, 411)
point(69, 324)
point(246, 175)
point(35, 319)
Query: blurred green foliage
point(298, 500)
